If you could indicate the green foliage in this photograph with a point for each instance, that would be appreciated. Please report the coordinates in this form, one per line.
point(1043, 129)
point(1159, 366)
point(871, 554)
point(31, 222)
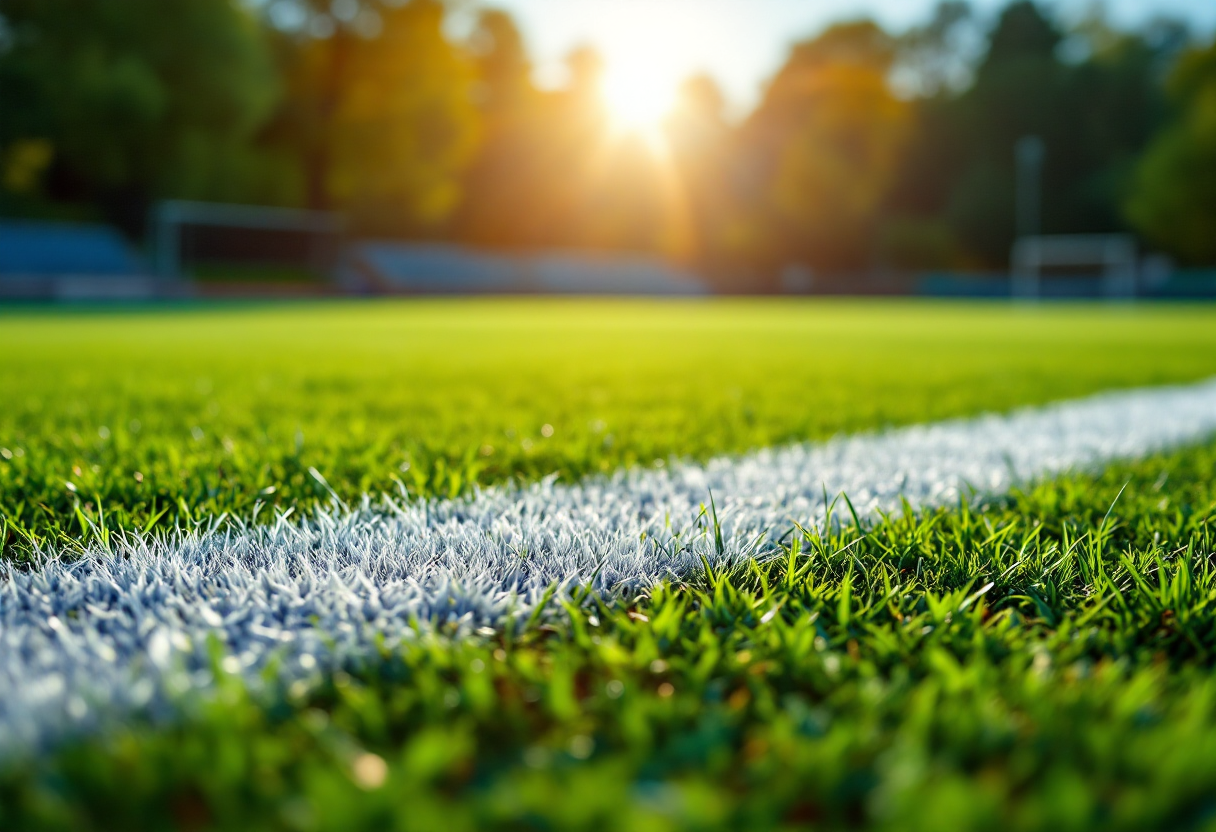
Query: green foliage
point(1092, 93)
point(159, 419)
point(404, 128)
point(1042, 663)
point(135, 99)
point(506, 189)
point(553, 170)
point(867, 147)
point(1173, 201)
point(826, 138)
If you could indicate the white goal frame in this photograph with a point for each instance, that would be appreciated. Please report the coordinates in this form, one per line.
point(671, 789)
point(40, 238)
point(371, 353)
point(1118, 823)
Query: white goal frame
point(170, 216)
point(1114, 253)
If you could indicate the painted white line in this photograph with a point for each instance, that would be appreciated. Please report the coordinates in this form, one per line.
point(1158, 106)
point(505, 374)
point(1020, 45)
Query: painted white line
point(128, 629)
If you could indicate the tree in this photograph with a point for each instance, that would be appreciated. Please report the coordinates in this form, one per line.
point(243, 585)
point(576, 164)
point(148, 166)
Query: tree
point(134, 99)
point(698, 140)
point(1173, 198)
point(405, 127)
point(1018, 90)
point(820, 152)
point(504, 184)
point(1091, 93)
point(380, 112)
point(550, 172)
point(932, 59)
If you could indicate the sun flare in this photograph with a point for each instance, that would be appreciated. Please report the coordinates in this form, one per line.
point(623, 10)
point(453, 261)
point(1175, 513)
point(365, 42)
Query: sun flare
point(637, 99)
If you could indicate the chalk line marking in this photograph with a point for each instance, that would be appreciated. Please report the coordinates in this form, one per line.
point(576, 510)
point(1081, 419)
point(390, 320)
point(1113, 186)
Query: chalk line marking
point(125, 630)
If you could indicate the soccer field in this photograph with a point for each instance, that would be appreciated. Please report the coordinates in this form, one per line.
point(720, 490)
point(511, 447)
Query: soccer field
point(716, 615)
point(162, 419)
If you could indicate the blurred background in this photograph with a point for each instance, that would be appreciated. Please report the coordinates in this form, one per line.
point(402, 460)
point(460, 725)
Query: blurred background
point(313, 147)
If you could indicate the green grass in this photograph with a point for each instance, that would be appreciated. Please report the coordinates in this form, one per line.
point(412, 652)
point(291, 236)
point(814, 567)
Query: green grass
point(871, 678)
point(152, 419)
point(1044, 663)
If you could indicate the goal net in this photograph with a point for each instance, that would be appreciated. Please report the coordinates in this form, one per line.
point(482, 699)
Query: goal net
point(204, 239)
point(1108, 258)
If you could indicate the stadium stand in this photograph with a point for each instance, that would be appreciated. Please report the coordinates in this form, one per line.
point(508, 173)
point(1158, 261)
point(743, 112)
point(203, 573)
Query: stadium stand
point(69, 261)
point(403, 268)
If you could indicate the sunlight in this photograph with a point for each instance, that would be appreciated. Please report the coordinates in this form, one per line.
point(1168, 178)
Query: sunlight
point(644, 66)
point(637, 97)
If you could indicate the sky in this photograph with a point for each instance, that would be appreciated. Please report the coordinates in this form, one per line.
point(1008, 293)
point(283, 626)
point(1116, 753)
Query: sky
point(740, 42)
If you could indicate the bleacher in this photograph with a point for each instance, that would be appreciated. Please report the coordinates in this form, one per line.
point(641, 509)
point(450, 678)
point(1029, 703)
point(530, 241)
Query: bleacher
point(69, 261)
point(389, 267)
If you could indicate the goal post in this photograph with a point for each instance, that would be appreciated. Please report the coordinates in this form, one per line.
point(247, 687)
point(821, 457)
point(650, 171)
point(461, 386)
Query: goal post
point(1114, 255)
point(185, 233)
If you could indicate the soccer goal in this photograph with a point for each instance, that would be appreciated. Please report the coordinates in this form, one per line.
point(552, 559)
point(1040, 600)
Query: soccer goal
point(1111, 256)
point(193, 238)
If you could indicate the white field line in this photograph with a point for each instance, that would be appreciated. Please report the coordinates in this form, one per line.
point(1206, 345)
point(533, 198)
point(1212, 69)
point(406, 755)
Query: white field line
point(127, 630)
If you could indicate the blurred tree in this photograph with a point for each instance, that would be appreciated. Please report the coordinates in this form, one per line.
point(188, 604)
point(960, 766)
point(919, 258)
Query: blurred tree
point(698, 146)
point(1018, 90)
point(380, 105)
point(552, 172)
point(935, 63)
point(609, 190)
point(315, 41)
point(819, 153)
point(505, 186)
point(504, 72)
point(935, 57)
point(865, 149)
point(1173, 198)
point(406, 126)
point(1115, 101)
point(122, 101)
point(1093, 94)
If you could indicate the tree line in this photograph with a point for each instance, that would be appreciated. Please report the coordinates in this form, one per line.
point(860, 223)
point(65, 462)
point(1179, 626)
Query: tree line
point(868, 149)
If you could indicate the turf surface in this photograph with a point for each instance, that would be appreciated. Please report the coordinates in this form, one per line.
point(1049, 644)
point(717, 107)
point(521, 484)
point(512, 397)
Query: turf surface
point(1043, 662)
point(152, 419)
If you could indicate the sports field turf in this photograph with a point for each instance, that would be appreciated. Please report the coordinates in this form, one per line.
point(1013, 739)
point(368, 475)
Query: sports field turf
point(1041, 660)
point(162, 418)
